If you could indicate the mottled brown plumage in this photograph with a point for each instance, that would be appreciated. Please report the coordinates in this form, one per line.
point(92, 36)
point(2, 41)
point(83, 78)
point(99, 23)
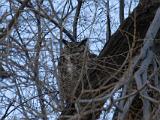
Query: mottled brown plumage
point(73, 66)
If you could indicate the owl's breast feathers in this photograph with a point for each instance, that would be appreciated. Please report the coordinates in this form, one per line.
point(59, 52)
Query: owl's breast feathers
point(75, 61)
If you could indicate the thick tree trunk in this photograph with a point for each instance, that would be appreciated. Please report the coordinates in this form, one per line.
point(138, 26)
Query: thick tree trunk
point(112, 64)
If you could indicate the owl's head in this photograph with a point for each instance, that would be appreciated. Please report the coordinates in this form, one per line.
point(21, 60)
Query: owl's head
point(75, 47)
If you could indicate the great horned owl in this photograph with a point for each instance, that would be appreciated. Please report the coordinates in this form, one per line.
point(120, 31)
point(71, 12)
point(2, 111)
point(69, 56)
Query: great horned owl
point(72, 68)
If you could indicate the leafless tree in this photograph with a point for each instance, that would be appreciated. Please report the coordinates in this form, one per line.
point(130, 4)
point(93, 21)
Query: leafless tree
point(124, 82)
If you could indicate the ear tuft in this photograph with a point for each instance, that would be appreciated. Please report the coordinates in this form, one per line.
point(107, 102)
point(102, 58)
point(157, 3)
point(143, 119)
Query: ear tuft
point(84, 41)
point(64, 41)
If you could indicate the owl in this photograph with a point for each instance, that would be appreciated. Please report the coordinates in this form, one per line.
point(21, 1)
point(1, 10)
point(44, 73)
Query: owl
point(72, 67)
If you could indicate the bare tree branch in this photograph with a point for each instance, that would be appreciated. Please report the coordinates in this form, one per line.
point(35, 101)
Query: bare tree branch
point(121, 9)
point(14, 20)
point(76, 17)
point(108, 24)
point(6, 112)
